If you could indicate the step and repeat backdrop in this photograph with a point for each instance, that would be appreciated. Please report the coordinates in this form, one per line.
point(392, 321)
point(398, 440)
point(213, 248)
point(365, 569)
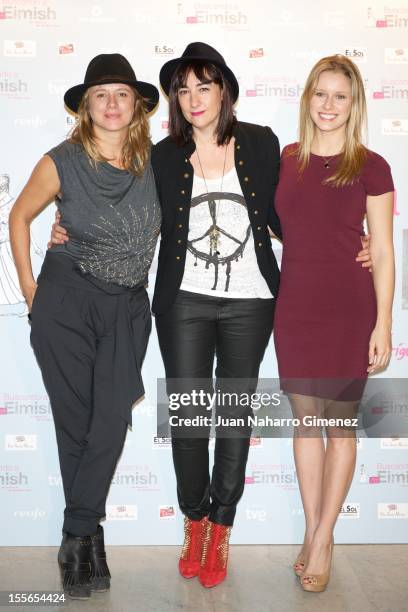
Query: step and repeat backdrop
point(271, 46)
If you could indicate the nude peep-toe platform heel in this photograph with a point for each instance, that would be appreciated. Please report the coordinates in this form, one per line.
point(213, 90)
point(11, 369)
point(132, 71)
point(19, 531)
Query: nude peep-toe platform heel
point(300, 561)
point(316, 583)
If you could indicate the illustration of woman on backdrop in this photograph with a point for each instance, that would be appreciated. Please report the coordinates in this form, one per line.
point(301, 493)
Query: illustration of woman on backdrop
point(12, 301)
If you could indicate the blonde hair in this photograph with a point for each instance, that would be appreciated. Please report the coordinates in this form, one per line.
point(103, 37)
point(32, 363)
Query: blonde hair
point(354, 152)
point(136, 148)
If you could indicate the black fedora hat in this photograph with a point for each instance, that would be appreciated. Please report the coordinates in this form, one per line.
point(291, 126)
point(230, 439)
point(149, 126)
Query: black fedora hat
point(204, 53)
point(110, 68)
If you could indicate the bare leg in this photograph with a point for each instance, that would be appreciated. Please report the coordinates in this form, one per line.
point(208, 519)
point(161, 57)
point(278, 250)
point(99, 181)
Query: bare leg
point(338, 473)
point(309, 454)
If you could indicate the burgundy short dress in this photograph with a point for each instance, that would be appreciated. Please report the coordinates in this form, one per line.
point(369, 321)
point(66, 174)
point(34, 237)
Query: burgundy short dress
point(326, 307)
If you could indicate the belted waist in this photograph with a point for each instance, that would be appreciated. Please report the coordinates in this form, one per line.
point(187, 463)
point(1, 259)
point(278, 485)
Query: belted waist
point(127, 380)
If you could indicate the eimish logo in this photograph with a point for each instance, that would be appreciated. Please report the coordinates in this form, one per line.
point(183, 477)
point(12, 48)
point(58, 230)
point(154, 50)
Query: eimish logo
point(393, 473)
point(12, 479)
point(227, 17)
point(138, 477)
point(395, 18)
point(392, 89)
point(12, 86)
point(286, 89)
point(389, 17)
point(33, 12)
point(28, 406)
point(279, 475)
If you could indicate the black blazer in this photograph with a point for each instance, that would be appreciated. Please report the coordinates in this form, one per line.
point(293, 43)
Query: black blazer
point(257, 162)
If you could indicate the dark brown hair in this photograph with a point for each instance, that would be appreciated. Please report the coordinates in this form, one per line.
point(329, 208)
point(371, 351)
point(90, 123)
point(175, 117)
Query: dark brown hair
point(181, 130)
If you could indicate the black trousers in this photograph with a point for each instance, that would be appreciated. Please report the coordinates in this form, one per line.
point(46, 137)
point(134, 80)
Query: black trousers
point(195, 330)
point(75, 337)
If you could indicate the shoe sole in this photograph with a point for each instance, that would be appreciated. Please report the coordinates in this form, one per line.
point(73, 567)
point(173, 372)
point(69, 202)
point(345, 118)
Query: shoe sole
point(100, 585)
point(82, 596)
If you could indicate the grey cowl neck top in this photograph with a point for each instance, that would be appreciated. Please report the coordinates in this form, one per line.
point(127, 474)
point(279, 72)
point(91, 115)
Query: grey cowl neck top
point(112, 216)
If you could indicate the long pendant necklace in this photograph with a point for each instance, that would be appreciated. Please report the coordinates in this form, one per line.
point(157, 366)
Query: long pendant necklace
point(213, 208)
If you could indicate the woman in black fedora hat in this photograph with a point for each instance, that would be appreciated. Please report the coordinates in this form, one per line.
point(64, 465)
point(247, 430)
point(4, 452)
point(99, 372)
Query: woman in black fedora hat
point(89, 309)
point(216, 282)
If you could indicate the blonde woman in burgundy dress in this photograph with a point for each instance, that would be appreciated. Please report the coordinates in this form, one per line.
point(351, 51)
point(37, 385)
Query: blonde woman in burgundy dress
point(333, 320)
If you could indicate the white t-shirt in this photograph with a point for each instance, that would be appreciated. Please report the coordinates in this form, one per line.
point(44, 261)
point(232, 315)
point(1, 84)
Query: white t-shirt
point(231, 270)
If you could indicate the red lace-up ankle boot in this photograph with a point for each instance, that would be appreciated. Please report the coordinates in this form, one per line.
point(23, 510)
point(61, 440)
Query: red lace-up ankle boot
point(213, 568)
point(194, 532)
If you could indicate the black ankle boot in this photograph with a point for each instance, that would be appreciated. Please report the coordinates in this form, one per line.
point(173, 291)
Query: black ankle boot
point(100, 574)
point(74, 562)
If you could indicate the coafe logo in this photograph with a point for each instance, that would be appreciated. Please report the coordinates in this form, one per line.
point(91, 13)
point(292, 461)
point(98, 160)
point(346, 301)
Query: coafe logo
point(32, 515)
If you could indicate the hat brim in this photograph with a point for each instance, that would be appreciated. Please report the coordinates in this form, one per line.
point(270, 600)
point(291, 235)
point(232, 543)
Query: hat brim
point(169, 68)
point(149, 92)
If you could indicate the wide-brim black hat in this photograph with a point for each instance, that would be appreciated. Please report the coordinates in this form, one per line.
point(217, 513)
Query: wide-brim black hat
point(111, 68)
point(199, 51)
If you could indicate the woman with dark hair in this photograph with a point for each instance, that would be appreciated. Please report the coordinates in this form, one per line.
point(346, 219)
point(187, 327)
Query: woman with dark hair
point(89, 309)
point(216, 282)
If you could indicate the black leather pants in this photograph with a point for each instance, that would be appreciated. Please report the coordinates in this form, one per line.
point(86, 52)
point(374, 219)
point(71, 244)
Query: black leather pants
point(191, 333)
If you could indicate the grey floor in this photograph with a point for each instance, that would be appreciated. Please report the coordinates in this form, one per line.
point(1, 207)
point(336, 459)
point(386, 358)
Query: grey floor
point(260, 579)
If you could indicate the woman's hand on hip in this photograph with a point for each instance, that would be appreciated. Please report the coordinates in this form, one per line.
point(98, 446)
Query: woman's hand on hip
point(364, 255)
point(58, 233)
